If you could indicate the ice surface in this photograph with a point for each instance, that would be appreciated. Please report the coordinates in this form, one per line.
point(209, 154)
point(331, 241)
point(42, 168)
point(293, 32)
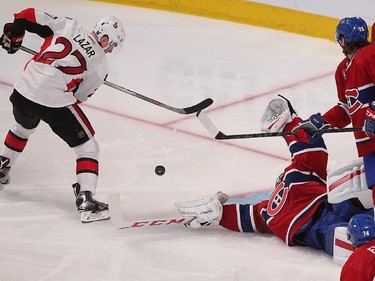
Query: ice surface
point(179, 60)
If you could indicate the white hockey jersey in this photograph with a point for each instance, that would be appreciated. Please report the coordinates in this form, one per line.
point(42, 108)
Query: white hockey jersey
point(70, 65)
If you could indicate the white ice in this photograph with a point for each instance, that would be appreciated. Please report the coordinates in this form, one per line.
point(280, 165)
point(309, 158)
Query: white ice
point(179, 60)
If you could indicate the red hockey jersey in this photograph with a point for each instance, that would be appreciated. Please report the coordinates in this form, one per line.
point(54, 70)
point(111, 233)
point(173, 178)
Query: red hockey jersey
point(361, 264)
point(355, 81)
point(300, 191)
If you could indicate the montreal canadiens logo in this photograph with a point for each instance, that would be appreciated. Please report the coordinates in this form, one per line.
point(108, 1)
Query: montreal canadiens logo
point(354, 104)
point(277, 200)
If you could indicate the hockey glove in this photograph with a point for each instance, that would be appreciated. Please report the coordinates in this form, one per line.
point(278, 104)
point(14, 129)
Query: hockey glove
point(369, 125)
point(204, 211)
point(314, 123)
point(278, 113)
point(303, 136)
point(10, 42)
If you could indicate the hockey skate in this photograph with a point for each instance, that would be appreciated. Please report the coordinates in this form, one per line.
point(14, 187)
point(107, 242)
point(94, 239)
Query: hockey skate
point(278, 113)
point(4, 171)
point(90, 209)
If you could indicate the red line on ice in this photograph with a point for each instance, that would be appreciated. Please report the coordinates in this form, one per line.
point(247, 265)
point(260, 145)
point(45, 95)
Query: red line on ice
point(250, 98)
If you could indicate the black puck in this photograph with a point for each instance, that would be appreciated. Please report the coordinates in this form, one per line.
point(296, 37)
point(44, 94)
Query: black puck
point(159, 170)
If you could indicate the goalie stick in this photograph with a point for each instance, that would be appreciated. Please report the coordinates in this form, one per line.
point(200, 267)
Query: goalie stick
point(186, 110)
point(219, 135)
point(118, 220)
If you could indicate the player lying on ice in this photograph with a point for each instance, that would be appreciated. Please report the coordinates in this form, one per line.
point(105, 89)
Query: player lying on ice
point(298, 211)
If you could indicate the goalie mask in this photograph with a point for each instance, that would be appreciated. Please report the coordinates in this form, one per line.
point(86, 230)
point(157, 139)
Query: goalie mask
point(111, 27)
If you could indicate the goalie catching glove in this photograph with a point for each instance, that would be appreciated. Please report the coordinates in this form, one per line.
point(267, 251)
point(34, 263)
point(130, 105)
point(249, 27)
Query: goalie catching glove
point(203, 211)
point(277, 114)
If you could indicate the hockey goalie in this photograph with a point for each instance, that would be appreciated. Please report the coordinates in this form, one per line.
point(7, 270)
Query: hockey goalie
point(298, 211)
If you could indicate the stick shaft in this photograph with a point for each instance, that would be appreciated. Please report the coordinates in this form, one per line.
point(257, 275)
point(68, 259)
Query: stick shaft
point(219, 135)
point(186, 110)
point(118, 220)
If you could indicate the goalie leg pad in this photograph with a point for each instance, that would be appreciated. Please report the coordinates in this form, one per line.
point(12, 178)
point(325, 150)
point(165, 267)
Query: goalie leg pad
point(205, 211)
point(349, 182)
point(342, 247)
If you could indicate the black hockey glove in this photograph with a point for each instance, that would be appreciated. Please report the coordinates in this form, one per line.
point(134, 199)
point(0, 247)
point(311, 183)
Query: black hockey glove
point(11, 43)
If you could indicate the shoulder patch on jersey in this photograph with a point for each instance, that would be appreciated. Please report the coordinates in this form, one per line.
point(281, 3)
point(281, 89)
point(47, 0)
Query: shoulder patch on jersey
point(278, 199)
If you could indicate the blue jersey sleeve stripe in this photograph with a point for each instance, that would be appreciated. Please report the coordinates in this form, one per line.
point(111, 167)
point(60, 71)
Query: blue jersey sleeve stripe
point(295, 152)
point(245, 216)
point(295, 176)
point(303, 147)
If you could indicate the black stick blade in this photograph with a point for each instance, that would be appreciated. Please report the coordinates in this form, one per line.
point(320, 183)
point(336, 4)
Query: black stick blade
point(198, 107)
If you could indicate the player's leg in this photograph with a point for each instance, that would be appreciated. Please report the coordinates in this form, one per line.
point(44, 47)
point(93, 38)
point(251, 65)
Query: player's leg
point(71, 125)
point(329, 216)
point(87, 169)
point(350, 181)
point(26, 115)
point(319, 232)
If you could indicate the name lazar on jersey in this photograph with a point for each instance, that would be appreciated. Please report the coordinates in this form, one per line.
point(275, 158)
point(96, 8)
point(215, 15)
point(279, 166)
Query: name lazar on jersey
point(85, 45)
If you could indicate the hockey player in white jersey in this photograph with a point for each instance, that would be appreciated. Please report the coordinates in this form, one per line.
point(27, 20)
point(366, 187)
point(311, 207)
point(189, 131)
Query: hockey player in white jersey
point(69, 67)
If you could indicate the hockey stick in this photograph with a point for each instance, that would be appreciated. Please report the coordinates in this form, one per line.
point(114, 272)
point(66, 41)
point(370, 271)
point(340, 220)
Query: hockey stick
point(118, 220)
point(219, 135)
point(186, 110)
